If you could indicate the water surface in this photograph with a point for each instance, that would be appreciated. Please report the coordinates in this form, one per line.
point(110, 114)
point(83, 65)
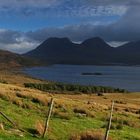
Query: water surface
point(127, 77)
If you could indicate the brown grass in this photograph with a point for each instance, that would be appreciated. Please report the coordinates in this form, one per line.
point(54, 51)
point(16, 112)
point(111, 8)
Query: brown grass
point(78, 103)
point(88, 135)
point(84, 111)
point(39, 127)
point(62, 115)
point(16, 77)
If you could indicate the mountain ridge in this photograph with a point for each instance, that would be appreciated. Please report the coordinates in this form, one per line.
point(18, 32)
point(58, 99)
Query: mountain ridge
point(91, 51)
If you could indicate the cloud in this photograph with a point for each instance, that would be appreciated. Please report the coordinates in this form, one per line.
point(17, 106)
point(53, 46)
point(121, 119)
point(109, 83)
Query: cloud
point(9, 36)
point(15, 41)
point(20, 48)
point(62, 8)
point(125, 29)
point(116, 43)
point(66, 8)
point(28, 3)
point(50, 3)
point(114, 2)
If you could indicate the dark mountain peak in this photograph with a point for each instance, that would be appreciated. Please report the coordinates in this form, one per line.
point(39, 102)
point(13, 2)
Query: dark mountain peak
point(95, 42)
point(98, 39)
point(94, 39)
point(130, 45)
point(56, 41)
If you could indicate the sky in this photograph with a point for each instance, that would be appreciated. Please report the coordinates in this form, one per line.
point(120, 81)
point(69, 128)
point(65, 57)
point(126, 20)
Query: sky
point(24, 24)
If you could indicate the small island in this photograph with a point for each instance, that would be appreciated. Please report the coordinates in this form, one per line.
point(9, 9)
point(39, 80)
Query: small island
point(95, 73)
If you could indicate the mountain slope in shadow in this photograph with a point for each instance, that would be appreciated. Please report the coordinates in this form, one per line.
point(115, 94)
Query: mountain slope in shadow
point(93, 51)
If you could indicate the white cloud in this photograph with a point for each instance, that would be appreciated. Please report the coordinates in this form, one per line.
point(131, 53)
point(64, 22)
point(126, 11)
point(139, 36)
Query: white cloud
point(116, 43)
point(19, 48)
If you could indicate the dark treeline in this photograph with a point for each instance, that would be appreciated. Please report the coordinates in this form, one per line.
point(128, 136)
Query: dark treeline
point(60, 87)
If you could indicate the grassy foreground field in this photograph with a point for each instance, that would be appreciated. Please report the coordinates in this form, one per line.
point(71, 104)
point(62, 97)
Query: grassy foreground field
point(73, 115)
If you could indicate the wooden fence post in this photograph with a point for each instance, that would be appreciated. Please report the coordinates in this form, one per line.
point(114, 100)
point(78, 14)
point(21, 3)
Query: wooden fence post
point(13, 123)
point(8, 119)
point(109, 123)
point(48, 117)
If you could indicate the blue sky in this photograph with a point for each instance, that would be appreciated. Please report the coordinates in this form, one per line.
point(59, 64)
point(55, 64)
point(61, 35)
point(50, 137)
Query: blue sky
point(67, 12)
point(22, 23)
point(26, 23)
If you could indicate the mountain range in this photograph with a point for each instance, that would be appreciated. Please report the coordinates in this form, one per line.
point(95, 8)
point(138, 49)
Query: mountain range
point(93, 51)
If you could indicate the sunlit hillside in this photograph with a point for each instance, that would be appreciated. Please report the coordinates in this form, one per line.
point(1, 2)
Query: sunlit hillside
point(73, 115)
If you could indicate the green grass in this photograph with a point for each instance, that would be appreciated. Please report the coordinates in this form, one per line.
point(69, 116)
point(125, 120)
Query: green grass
point(64, 121)
point(126, 134)
point(60, 129)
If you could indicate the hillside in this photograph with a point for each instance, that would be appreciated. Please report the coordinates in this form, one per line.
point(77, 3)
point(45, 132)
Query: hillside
point(12, 60)
point(91, 51)
point(72, 114)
